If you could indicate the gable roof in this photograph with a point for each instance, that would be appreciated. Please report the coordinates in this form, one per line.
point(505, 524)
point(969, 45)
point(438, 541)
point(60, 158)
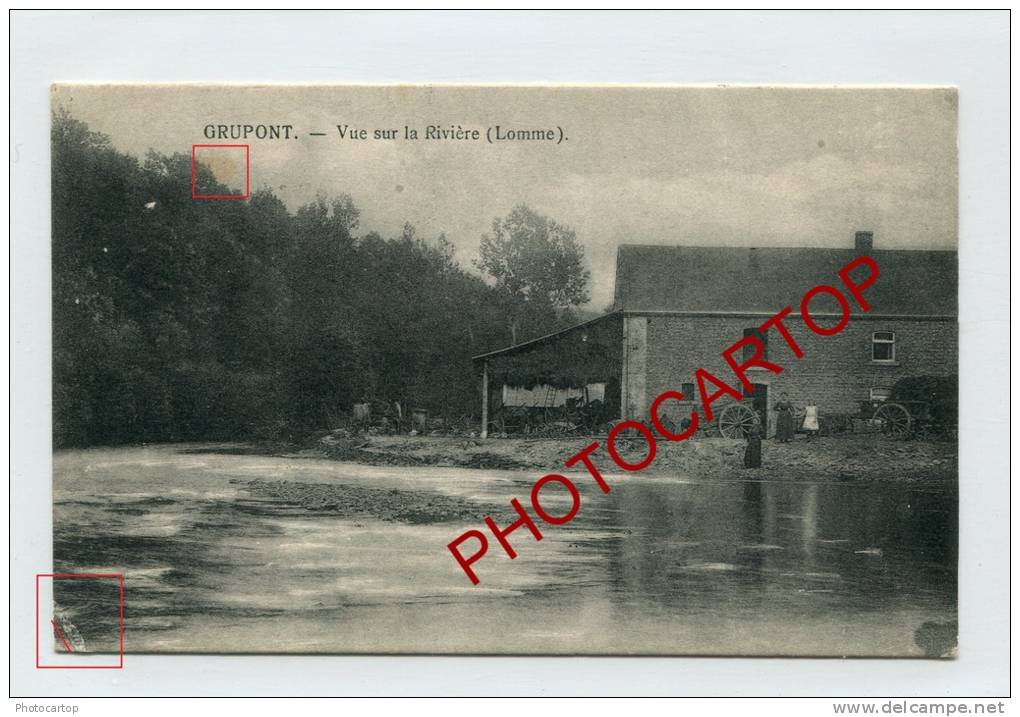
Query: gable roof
point(744, 279)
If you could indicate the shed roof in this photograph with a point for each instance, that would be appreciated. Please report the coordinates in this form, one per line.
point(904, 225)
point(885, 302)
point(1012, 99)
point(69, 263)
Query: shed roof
point(541, 340)
point(744, 279)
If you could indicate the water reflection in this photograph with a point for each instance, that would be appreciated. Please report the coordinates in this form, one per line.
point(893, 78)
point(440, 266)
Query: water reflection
point(814, 547)
point(657, 566)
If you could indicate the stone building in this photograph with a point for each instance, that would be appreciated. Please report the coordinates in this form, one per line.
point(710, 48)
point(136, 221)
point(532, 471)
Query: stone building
point(677, 308)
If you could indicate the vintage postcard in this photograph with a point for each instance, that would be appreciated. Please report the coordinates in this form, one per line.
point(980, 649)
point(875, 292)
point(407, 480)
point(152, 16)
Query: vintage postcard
point(600, 370)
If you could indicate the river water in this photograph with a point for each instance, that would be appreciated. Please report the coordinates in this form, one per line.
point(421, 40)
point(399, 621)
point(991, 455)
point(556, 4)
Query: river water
point(661, 565)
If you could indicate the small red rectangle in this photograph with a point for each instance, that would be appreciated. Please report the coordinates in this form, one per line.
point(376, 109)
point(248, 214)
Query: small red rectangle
point(80, 576)
point(194, 171)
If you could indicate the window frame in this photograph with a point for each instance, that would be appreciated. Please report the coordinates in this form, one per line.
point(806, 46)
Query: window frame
point(691, 397)
point(874, 399)
point(891, 342)
point(746, 349)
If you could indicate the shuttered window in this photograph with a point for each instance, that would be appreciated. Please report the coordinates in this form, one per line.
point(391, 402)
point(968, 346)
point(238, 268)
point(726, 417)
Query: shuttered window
point(883, 346)
point(749, 348)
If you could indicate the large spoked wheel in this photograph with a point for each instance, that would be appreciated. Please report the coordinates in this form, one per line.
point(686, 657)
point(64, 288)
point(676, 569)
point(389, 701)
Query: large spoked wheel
point(736, 421)
point(896, 421)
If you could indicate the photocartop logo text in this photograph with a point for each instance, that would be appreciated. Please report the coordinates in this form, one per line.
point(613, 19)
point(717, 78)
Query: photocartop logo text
point(856, 276)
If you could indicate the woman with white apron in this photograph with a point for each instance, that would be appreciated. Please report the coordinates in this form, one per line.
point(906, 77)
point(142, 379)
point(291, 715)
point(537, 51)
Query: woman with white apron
point(811, 420)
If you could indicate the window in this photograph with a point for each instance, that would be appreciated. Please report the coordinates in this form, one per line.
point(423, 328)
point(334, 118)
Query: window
point(880, 393)
point(749, 348)
point(883, 346)
point(689, 391)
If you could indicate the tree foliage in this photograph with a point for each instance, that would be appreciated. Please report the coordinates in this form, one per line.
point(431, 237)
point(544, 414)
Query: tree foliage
point(538, 267)
point(176, 318)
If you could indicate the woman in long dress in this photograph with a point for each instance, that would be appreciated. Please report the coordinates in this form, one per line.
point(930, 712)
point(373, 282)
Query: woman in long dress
point(784, 419)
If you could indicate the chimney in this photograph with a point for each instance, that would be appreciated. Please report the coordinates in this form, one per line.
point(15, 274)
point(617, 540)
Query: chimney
point(752, 259)
point(863, 242)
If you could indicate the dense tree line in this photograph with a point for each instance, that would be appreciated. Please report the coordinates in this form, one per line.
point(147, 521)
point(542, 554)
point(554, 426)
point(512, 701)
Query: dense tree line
point(178, 319)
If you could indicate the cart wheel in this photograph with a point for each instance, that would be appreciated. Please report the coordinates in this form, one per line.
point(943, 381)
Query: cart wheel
point(736, 421)
point(896, 421)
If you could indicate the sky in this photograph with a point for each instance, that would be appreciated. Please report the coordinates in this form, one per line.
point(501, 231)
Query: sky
point(736, 166)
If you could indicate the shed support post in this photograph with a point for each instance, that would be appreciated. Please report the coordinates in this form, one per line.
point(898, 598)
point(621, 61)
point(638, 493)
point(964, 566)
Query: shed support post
point(485, 399)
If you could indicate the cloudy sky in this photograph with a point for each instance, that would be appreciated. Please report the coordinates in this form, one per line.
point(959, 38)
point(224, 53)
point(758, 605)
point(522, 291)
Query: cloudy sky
point(717, 166)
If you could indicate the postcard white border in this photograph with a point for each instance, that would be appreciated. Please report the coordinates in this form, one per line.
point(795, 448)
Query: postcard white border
point(966, 49)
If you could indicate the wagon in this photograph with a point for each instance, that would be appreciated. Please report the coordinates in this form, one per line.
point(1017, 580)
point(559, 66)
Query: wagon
point(923, 406)
point(898, 419)
point(902, 419)
point(737, 420)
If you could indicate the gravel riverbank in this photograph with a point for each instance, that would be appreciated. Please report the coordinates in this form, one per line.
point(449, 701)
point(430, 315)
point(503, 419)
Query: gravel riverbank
point(866, 458)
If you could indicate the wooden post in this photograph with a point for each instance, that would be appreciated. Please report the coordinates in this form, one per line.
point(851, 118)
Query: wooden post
point(485, 399)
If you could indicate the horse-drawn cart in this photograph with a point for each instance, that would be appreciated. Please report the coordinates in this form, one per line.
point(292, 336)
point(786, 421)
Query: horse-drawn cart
point(921, 406)
point(904, 419)
point(737, 420)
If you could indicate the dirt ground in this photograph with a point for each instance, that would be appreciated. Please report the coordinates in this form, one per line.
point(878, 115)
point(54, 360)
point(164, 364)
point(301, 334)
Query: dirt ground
point(849, 458)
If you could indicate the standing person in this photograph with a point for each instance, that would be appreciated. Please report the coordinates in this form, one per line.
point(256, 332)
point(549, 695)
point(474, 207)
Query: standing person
point(784, 419)
point(811, 420)
point(752, 453)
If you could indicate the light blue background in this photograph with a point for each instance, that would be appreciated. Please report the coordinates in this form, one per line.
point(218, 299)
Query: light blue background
point(970, 50)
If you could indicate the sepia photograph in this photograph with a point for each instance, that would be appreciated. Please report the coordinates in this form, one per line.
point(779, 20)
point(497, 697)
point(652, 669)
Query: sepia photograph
point(526, 370)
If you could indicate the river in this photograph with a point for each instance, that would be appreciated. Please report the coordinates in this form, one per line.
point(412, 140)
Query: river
point(661, 565)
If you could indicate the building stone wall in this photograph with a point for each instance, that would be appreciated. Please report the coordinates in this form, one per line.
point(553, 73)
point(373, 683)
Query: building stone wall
point(836, 372)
